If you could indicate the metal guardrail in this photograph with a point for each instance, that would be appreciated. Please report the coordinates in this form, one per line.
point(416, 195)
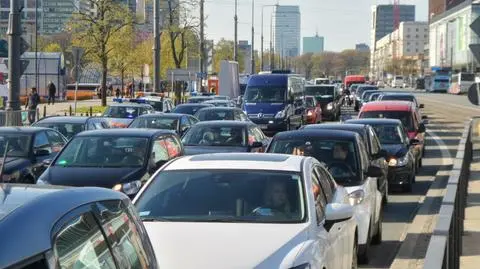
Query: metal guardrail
point(445, 246)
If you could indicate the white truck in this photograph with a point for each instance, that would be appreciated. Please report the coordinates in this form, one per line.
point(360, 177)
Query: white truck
point(229, 81)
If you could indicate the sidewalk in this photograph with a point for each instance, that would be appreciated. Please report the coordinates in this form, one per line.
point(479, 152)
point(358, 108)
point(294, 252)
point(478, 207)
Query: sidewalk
point(61, 107)
point(470, 258)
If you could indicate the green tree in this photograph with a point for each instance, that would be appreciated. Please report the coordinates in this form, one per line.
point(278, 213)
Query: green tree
point(223, 50)
point(95, 32)
point(52, 47)
point(122, 56)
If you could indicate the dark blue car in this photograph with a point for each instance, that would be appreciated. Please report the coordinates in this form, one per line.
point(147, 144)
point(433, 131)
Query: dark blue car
point(122, 159)
point(72, 228)
point(70, 126)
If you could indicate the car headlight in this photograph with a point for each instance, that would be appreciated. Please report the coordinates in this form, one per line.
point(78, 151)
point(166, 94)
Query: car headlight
point(402, 161)
point(309, 113)
point(280, 114)
point(302, 266)
point(356, 197)
point(129, 188)
point(10, 177)
point(330, 106)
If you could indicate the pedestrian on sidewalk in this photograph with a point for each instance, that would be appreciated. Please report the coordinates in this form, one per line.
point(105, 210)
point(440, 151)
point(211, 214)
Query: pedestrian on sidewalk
point(52, 91)
point(117, 93)
point(33, 100)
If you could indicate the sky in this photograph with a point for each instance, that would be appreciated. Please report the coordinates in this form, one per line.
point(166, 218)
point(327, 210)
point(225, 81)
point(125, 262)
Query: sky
point(343, 23)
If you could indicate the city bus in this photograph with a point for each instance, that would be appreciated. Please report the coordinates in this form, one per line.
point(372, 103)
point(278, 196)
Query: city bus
point(440, 80)
point(461, 82)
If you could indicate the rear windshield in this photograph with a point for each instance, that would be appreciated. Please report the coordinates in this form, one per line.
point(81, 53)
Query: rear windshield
point(404, 116)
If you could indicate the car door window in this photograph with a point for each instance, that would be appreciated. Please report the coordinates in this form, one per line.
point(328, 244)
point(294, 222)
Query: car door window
point(320, 200)
point(363, 156)
point(184, 123)
point(193, 120)
point(81, 244)
point(159, 150)
point(324, 183)
point(173, 146)
point(41, 142)
point(56, 140)
point(252, 136)
point(375, 144)
point(123, 235)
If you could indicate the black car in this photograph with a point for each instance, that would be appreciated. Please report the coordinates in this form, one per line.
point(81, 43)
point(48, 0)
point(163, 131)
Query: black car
point(224, 136)
point(74, 228)
point(401, 156)
point(200, 99)
point(221, 113)
point(70, 126)
point(122, 159)
point(27, 148)
point(366, 96)
point(179, 123)
point(359, 92)
point(190, 109)
point(376, 154)
point(120, 115)
point(400, 96)
point(374, 96)
point(329, 99)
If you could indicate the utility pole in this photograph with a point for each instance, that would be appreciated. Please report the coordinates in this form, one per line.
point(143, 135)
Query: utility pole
point(36, 46)
point(14, 34)
point(235, 45)
point(253, 37)
point(202, 40)
point(156, 45)
point(272, 50)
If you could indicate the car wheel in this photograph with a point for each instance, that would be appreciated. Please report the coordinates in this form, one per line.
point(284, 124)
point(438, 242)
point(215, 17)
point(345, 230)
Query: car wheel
point(354, 252)
point(377, 238)
point(363, 251)
point(420, 163)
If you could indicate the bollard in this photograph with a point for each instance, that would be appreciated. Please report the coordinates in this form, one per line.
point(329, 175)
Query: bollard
point(91, 111)
point(44, 111)
point(70, 110)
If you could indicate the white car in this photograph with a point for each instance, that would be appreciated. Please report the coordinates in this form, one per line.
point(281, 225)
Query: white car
point(346, 157)
point(248, 210)
point(397, 82)
point(380, 84)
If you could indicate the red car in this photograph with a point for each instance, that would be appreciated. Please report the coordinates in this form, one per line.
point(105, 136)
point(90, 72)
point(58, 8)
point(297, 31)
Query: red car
point(407, 113)
point(313, 111)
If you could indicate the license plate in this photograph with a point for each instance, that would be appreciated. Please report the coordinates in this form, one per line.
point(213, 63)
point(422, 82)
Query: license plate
point(263, 126)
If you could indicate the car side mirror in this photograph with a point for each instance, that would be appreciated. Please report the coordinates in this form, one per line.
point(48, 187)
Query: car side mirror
point(256, 144)
point(336, 212)
point(41, 152)
point(374, 171)
point(421, 128)
point(421, 106)
point(414, 142)
point(47, 162)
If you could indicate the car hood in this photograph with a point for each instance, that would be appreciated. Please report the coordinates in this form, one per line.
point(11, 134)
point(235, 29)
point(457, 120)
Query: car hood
point(195, 150)
point(230, 245)
point(264, 108)
point(324, 99)
point(91, 176)
point(397, 150)
point(13, 164)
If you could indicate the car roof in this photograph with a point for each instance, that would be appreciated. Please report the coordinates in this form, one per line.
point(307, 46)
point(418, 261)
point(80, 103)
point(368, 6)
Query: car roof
point(162, 115)
point(373, 121)
point(218, 101)
point(225, 123)
point(40, 206)
point(195, 104)
point(320, 85)
point(242, 161)
point(387, 106)
point(63, 119)
point(399, 94)
point(134, 132)
point(219, 108)
point(357, 128)
point(130, 104)
point(28, 130)
point(317, 133)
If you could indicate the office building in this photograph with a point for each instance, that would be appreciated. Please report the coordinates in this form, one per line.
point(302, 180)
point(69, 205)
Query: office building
point(56, 13)
point(287, 30)
point(383, 22)
point(406, 43)
point(313, 44)
point(246, 50)
point(362, 47)
point(147, 13)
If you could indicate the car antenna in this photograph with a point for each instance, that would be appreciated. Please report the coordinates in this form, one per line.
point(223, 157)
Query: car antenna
point(3, 162)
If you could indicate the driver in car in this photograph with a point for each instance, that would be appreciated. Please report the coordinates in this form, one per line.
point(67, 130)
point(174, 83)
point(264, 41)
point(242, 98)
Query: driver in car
point(276, 203)
point(340, 165)
point(136, 156)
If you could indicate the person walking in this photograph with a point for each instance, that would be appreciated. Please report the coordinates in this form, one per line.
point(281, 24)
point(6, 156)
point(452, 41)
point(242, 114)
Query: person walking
point(33, 100)
point(117, 93)
point(52, 91)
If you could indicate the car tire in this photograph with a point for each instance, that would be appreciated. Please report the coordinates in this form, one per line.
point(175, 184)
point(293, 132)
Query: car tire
point(377, 238)
point(363, 251)
point(420, 163)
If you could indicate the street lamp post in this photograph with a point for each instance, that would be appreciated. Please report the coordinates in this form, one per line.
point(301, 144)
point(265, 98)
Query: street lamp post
point(253, 37)
point(235, 45)
point(272, 50)
point(261, 43)
point(156, 45)
point(14, 35)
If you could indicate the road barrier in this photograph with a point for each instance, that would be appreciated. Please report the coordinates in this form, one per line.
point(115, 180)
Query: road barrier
point(445, 246)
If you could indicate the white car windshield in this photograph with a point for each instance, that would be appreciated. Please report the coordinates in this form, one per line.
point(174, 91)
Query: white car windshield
point(224, 196)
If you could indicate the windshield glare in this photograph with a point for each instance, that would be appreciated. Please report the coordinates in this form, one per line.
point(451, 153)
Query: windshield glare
point(319, 90)
point(224, 196)
point(209, 115)
point(339, 156)
point(404, 116)
point(272, 94)
point(104, 152)
point(66, 129)
point(215, 136)
point(18, 145)
point(155, 123)
point(389, 134)
point(123, 112)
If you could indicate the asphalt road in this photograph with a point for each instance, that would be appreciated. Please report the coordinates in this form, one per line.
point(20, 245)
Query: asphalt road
point(410, 217)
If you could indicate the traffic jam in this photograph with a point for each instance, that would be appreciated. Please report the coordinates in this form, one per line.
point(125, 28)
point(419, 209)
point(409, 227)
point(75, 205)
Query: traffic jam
point(277, 178)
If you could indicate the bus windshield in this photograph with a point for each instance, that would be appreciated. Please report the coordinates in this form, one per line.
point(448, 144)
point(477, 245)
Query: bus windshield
point(467, 77)
point(265, 94)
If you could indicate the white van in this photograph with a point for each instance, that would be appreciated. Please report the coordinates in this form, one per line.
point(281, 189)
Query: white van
point(397, 82)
